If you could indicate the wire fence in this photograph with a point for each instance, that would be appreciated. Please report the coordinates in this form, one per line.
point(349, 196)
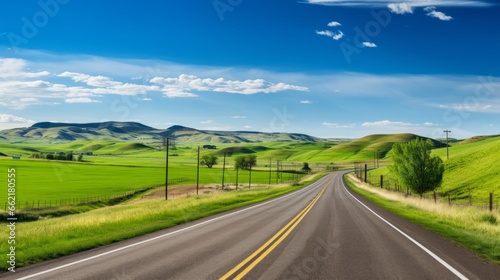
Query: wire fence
point(488, 202)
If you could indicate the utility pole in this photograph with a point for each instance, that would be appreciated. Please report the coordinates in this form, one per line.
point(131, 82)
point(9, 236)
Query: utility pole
point(447, 154)
point(270, 169)
point(166, 142)
point(223, 170)
point(237, 177)
point(198, 171)
point(250, 177)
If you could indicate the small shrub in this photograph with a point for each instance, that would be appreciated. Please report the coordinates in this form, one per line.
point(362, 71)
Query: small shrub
point(488, 218)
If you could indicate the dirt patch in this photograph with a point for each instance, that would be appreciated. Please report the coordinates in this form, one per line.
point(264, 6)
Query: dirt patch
point(181, 191)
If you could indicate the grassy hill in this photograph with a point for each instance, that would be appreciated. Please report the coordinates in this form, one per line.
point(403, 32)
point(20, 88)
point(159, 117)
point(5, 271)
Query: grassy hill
point(472, 166)
point(366, 147)
point(46, 132)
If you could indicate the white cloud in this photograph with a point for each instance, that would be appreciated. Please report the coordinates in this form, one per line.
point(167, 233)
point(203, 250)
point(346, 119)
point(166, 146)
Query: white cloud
point(15, 68)
point(21, 87)
point(369, 45)
point(400, 8)
point(8, 121)
point(336, 125)
point(146, 99)
point(334, 24)
point(247, 126)
point(80, 100)
point(238, 117)
point(106, 85)
point(476, 106)
point(206, 122)
point(430, 124)
point(6, 118)
point(431, 11)
point(414, 3)
point(305, 102)
point(326, 33)
point(387, 123)
point(337, 36)
point(182, 85)
point(334, 35)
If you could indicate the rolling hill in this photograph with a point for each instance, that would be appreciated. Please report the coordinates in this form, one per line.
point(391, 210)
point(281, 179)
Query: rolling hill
point(47, 132)
point(367, 147)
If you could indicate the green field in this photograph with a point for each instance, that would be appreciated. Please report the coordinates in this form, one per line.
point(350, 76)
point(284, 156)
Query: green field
point(116, 168)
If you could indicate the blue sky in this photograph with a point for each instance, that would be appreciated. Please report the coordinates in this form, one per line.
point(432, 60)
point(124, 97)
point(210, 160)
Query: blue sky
point(328, 68)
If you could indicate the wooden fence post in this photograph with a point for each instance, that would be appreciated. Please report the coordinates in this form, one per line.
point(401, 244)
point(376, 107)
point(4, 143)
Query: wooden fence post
point(491, 202)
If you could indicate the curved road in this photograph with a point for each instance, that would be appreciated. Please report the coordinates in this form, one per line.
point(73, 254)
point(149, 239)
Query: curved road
point(323, 231)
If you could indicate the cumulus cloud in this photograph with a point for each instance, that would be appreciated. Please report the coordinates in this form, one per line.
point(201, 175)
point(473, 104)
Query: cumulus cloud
point(400, 8)
point(431, 11)
point(334, 24)
point(8, 121)
point(305, 102)
point(6, 118)
point(334, 35)
point(369, 45)
point(15, 68)
point(184, 84)
point(20, 87)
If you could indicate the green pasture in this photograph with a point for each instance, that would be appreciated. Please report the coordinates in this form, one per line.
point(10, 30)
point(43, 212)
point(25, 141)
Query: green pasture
point(42, 180)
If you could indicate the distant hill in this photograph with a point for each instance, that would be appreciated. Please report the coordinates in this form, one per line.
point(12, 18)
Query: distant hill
point(132, 131)
point(368, 146)
point(477, 139)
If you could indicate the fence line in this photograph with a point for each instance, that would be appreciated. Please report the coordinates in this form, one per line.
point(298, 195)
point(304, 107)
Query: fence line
point(487, 203)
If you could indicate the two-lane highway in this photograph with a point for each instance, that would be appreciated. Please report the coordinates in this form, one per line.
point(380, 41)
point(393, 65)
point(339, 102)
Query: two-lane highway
point(322, 231)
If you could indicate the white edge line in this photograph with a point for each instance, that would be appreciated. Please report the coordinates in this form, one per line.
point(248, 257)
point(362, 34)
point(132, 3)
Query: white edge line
point(170, 233)
point(441, 261)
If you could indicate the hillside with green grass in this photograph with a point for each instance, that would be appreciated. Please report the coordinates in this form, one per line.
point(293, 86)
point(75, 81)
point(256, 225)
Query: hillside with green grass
point(366, 148)
point(47, 132)
point(472, 168)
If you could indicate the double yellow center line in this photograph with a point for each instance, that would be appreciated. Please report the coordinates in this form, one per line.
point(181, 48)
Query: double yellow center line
point(274, 241)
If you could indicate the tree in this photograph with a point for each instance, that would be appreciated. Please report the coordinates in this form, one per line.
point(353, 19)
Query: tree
point(80, 158)
point(414, 166)
point(245, 161)
point(306, 168)
point(208, 160)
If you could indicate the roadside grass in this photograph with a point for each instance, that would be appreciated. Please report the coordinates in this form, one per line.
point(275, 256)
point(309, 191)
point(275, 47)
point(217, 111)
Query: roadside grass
point(56, 237)
point(475, 229)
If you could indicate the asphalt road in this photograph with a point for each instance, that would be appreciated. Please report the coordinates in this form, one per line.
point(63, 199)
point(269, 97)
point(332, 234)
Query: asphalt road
point(323, 231)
